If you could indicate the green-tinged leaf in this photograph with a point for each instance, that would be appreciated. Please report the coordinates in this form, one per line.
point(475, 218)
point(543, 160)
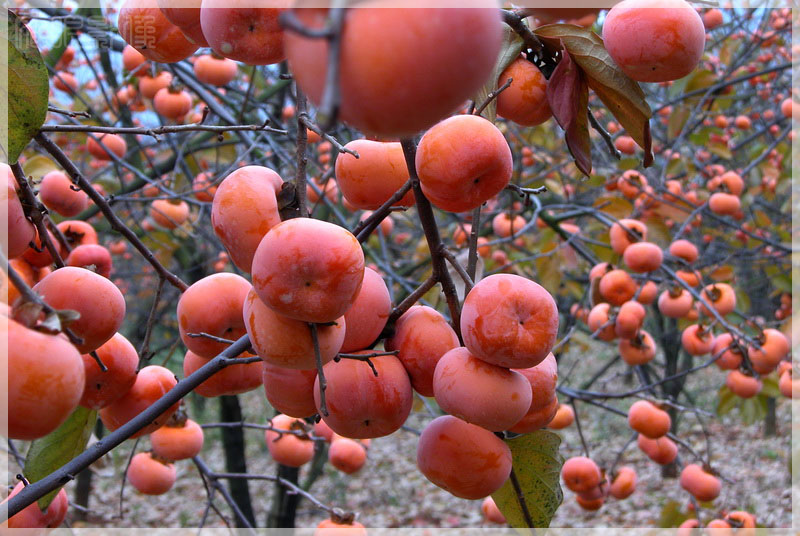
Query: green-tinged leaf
point(783, 282)
point(24, 99)
point(622, 96)
point(722, 273)
point(751, 411)
point(720, 149)
point(701, 137)
point(616, 206)
point(568, 96)
point(677, 120)
point(727, 400)
point(548, 271)
point(658, 232)
point(672, 515)
point(762, 220)
point(536, 463)
point(624, 164)
point(512, 46)
point(47, 454)
point(769, 387)
point(742, 300)
point(38, 166)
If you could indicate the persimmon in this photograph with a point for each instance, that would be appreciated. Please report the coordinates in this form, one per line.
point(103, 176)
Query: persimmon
point(774, 347)
point(132, 59)
point(563, 418)
point(629, 319)
point(491, 512)
point(172, 103)
point(203, 187)
point(631, 183)
point(662, 450)
point(91, 257)
point(104, 387)
point(525, 100)
point(544, 403)
point(480, 393)
point(65, 81)
point(654, 40)
point(509, 321)
point(462, 162)
point(286, 448)
point(57, 193)
point(99, 302)
point(20, 230)
point(691, 278)
point(105, 145)
point(32, 517)
point(8, 292)
point(468, 461)
point(724, 204)
point(675, 302)
point(149, 86)
point(505, 224)
point(426, 44)
point(169, 213)
point(152, 382)
point(232, 380)
point(241, 32)
point(39, 256)
point(212, 305)
point(186, 16)
point(143, 26)
point(697, 340)
point(177, 441)
point(729, 354)
point(703, 485)
point(598, 322)
point(245, 207)
point(580, 474)
point(367, 316)
point(347, 455)
point(329, 527)
point(624, 484)
point(298, 279)
point(421, 337)
point(45, 380)
point(290, 391)
point(359, 403)
point(643, 257)
point(625, 145)
point(720, 296)
point(150, 475)
point(647, 419)
point(712, 19)
point(742, 122)
point(742, 385)
point(638, 350)
point(215, 70)
point(371, 179)
point(617, 287)
point(286, 342)
point(684, 249)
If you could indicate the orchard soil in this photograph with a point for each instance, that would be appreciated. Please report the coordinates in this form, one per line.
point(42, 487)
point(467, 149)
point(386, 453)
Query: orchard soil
point(390, 492)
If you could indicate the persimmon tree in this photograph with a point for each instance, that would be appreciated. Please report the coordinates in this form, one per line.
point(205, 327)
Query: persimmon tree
point(352, 219)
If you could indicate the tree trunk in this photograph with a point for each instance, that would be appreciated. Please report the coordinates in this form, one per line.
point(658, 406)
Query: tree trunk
point(233, 443)
point(284, 505)
point(770, 421)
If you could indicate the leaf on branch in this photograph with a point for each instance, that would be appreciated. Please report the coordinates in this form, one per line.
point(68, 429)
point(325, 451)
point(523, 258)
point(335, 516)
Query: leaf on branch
point(568, 96)
point(47, 454)
point(512, 46)
point(727, 401)
point(537, 465)
point(622, 96)
point(24, 98)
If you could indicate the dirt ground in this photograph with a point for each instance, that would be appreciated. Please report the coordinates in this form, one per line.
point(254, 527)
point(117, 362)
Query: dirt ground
point(390, 492)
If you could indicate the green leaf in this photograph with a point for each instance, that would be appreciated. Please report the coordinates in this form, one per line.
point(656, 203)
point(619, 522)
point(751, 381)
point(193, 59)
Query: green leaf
point(727, 401)
point(537, 467)
point(47, 454)
point(769, 388)
point(677, 120)
point(671, 515)
point(24, 98)
point(622, 96)
point(720, 149)
point(548, 271)
point(512, 46)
